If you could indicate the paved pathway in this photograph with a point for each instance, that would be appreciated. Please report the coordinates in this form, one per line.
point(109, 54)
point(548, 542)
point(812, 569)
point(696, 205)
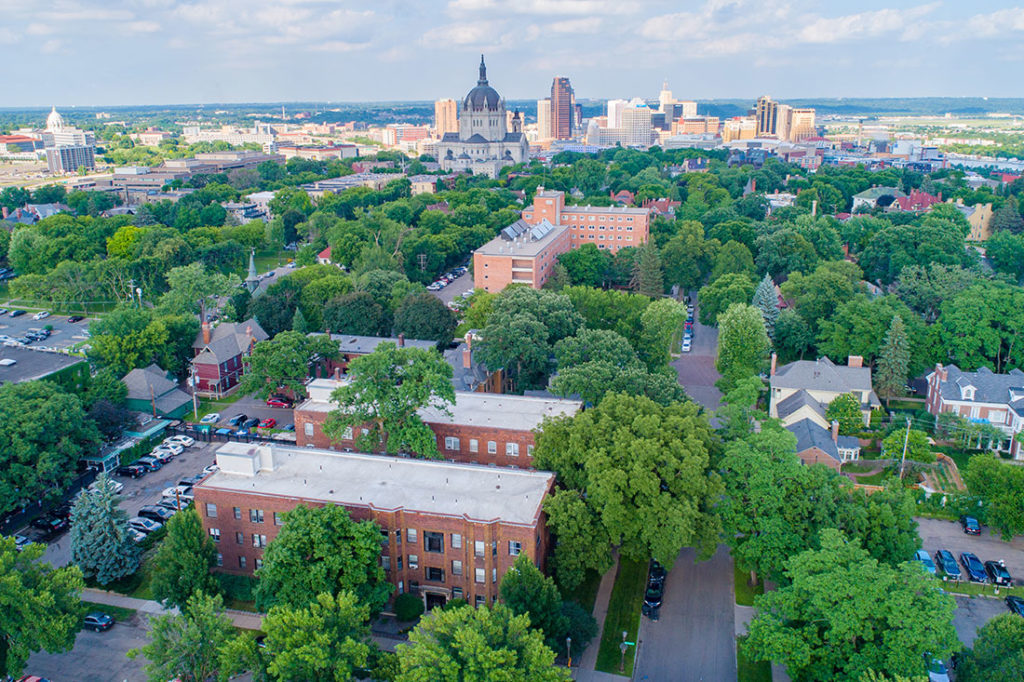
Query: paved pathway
point(586, 671)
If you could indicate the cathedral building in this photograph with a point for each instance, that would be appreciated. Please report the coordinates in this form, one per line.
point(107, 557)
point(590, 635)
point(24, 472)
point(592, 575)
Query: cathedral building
point(486, 141)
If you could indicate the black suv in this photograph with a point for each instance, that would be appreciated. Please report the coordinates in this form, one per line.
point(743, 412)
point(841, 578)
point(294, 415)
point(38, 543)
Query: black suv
point(51, 526)
point(998, 574)
point(656, 574)
point(131, 470)
point(652, 601)
point(970, 525)
point(251, 423)
point(157, 513)
point(238, 419)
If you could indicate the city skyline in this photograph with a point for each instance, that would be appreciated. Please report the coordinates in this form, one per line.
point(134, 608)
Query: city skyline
point(165, 52)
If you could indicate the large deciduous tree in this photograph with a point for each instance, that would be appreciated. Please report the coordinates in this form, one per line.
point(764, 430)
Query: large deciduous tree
point(182, 564)
point(486, 643)
point(357, 313)
point(633, 475)
point(998, 651)
point(524, 589)
point(844, 614)
point(742, 343)
point(100, 544)
point(1001, 489)
point(322, 551)
point(845, 409)
point(716, 297)
point(41, 605)
point(191, 288)
point(424, 316)
point(984, 326)
point(282, 363)
point(187, 646)
point(385, 391)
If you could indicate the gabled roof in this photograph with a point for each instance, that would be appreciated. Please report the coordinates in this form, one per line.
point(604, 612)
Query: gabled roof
point(796, 401)
point(228, 340)
point(875, 193)
point(824, 375)
point(810, 435)
point(352, 344)
point(147, 383)
point(989, 387)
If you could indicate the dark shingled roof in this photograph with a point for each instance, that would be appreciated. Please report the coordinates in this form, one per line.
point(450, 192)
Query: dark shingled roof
point(989, 387)
point(796, 401)
point(810, 435)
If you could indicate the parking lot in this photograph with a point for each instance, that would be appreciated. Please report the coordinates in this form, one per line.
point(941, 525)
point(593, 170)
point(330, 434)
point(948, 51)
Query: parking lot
point(97, 656)
point(64, 333)
point(456, 287)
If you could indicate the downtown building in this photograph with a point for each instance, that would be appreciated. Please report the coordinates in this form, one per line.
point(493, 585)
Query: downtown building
point(448, 531)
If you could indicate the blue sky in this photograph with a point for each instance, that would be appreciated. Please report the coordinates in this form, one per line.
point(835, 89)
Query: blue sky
point(107, 52)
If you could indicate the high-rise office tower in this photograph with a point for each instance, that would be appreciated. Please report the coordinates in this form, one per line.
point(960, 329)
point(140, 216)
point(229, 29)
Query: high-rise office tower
point(446, 117)
point(766, 112)
point(562, 109)
point(544, 118)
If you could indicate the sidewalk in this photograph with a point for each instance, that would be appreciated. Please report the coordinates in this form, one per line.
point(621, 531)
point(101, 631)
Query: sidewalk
point(585, 672)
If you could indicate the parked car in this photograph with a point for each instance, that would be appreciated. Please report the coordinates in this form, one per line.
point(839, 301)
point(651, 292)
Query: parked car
point(51, 526)
point(289, 427)
point(144, 525)
point(251, 423)
point(210, 469)
point(975, 569)
point(131, 471)
point(998, 574)
point(41, 315)
point(75, 318)
point(656, 574)
point(151, 463)
point(278, 401)
point(686, 346)
point(155, 512)
point(173, 504)
point(211, 418)
point(189, 481)
point(925, 560)
point(17, 313)
point(136, 535)
point(970, 525)
point(117, 486)
point(97, 621)
point(161, 455)
point(937, 671)
point(268, 423)
point(181, 491)
point(238, 419)
point(944, 560)
point(653, 597)
point(183, 441)
point(4, 311)
point(174, 448)
point(1016, 604)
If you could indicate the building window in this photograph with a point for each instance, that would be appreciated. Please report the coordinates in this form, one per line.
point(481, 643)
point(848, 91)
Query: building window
point(215, 534)
point(211, 510)
point(435, 574)
point(259, 540)
point(256, 516)
point(398, 537)
point(259, 564)
point(529, 450)
point(398, 563)
point(307, 428)
point(456, 593)
point(237, 511)
point(456, 568)
point(480, 600)
point(456, 541)
point(514, 548)
point(410, 535)
point(492, 447)
point(279, 520)
point(434, 542)
point(220, 559)
point(494, 548)
point(451, 443)
point(481, 576)
point(512, 449)
point(385, 563)
point(240, 538)
point(494, 575)
point(241, 562)
point(478, 547)
point(414, 561)
point(347, 433)
point(401, 586)
point(474, 445)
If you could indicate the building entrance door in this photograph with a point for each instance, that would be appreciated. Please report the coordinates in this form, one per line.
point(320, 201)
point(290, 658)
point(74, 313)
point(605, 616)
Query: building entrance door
point(435, 600)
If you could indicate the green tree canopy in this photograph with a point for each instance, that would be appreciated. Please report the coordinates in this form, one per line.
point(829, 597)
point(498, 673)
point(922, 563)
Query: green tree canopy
point(357, 313)
point(594, 379)
point(187, 646)
point(767, 301)
point(644, 487)
point(716, 297)
point(100, 544)
point(893, 360)
point(845, 409)
point(181, 567)
point(844, 614)
point(733, 258)
point(191, 288)
point(998, 651)
point(384, 393)
point(322, 551)
point(282, 363)
point(1001, 489)
point(817, 295)
point(984, 326)
point(41, 605)
point(477, 645)
point(424, 316)
point(592, 345)
point(918, 448)
point(648, 278)
point(742, 342)
point(586, 265)
point(524, 589)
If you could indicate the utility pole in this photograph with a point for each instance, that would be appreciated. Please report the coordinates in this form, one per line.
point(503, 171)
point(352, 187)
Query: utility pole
point(906, 441)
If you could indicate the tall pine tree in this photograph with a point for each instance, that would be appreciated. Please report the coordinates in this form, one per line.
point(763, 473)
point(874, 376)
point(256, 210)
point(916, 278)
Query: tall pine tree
point(893, 359)
point(648, 279)
point(767, 302)
point(100, 544)
point(299, 323)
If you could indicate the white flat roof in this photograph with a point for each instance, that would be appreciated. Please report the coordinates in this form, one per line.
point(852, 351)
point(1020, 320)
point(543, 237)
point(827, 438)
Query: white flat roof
point(521, 413)
point(499, 246)
point(477, 493)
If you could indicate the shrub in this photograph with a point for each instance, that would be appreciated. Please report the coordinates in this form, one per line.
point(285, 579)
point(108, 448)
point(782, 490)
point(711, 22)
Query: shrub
point(454, 604)
point(408, 607)
point(237, 587)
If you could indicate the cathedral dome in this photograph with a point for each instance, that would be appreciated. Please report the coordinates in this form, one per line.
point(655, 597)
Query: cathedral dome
point(54, 122)
point(483, 96)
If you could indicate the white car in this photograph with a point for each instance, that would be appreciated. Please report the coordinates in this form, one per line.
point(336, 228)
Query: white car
point(183, 441)
point(211, 418)
point(144, 525)
point(210, 469)
point(173, 448)
point(116, 486)
point(180, 492)
point(41, 315)
point(686, 345)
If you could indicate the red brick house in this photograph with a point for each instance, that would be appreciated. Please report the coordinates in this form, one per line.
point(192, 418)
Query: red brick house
point(218, 363)
point(983, 397)
point(449, 531)
point(483, 428)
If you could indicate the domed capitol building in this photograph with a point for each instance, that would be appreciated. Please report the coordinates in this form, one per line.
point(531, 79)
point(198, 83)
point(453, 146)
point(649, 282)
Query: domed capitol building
point(484, 143)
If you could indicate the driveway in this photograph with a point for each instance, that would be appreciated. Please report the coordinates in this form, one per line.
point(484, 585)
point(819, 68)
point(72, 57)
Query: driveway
point(696, 369)
point(971, 614)
point(96, 656)
point(694, 638)
point(457, 287)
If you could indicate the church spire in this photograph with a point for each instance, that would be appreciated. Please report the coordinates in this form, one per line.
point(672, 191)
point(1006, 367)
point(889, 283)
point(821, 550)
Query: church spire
point(252, 282)
point(483, 72)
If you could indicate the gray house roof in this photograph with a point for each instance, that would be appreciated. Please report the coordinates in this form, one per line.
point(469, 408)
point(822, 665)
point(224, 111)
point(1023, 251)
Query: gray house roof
point(810, 435)
point(143, 384)
point(228, 339)
point(364, 345)
point(465, 378)
point(989, 387)
point(794, 402)
point(824, 375)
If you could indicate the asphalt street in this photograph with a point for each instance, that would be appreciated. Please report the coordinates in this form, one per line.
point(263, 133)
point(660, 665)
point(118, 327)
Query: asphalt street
point(96, 656)
point(696, 369)
point(694, 636)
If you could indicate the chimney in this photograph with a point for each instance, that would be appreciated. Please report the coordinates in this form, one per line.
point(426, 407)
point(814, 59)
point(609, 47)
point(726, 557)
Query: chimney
point(775, 359)
point(337, 373)
point(401, 340)
point(835, 431)
point(467, 358)
point(814, 207)
point(941, 372)
point(5, 212)
point(469, 340)
point(855, 361)
point(206, 332)
point(753, 185)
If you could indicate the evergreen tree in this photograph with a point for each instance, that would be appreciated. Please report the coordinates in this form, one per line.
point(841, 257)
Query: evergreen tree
point(183, 562)
point(767, 302)
point(100, 544)
point(893, 359)
point(647, 275)
point(299, 323)
point(524, 589)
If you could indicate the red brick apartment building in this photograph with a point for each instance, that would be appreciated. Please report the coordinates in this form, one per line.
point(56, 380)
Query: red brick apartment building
point(483, 428)
point(527, 250)
point(449, 531)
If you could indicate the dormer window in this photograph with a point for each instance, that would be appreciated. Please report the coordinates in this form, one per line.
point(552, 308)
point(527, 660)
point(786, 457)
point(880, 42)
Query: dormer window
point(967, 392)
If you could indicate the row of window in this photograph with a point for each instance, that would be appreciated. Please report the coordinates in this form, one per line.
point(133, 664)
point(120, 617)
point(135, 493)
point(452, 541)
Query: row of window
point(435, 573)
point(242, 561)
point(629, 228)
point(601, 236)
point(453, 444)
point(611, 219)
point(433, 542)
point(255, 515)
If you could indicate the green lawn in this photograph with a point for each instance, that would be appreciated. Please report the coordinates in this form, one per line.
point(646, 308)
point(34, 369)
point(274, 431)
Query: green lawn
point(206, 405)
point(586, 594)
point(751, 671)
point(854, 468)
point(876, 479)
point(974, 589)
point(623, 615)
point(744, 592)
point(119, 613)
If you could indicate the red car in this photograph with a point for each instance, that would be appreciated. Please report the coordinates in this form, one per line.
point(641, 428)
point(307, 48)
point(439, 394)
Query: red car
point(278, 402)
point(268, 423)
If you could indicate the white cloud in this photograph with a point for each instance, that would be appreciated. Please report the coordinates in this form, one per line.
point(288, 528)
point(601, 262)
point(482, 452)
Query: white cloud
point(140, 27)
point(462, 34)
point(862, 24)
point(51, 46)
point(995, 23)
point(36, 29)
point(542, 7)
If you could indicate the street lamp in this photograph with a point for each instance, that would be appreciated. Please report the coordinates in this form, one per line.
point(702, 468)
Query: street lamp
point(568, 649)
point(622, 648)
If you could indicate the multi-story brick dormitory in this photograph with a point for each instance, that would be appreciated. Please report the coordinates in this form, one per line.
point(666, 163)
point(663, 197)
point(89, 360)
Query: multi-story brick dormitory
point(482, 428)
point(449, 530)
